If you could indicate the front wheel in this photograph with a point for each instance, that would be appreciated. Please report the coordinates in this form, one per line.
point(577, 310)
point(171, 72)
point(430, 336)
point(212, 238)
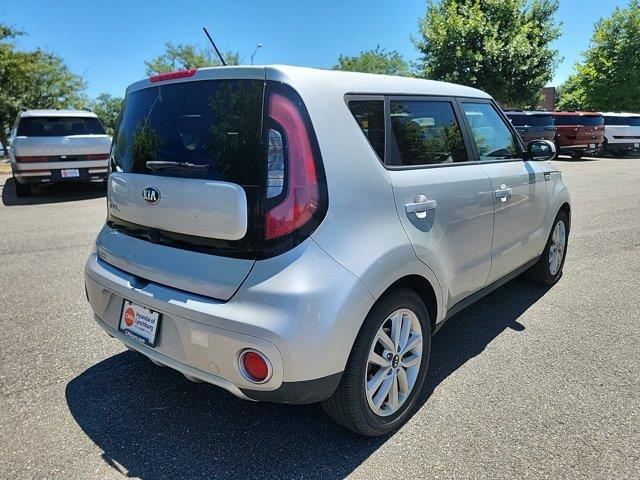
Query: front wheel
point(387, 367)
point(548, 269)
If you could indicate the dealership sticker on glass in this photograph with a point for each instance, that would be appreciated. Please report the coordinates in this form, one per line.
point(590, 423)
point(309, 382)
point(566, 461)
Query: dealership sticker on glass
point(139, 323)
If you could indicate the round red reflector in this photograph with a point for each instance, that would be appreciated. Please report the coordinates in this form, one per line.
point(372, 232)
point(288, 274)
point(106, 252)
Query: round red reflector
point(255, 366)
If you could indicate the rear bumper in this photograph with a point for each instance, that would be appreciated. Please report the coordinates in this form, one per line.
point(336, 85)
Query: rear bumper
point(622, 145)
point(581, 148)
point(304, 325)
point(41, 173)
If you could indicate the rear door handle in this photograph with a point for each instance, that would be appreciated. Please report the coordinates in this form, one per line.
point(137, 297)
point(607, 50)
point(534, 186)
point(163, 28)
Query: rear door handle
point(420, 205)
point(503, 193)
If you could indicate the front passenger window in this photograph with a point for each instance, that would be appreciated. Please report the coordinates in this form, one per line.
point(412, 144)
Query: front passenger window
point(491, 134)
point(426, 132)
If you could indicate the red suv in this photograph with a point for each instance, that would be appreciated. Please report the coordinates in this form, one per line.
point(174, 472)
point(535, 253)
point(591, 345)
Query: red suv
point(578, 133)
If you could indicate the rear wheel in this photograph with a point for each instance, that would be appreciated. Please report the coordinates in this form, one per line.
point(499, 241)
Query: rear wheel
point(22, 189)
point(576, 156)
point(548, 270)
point(387, 367)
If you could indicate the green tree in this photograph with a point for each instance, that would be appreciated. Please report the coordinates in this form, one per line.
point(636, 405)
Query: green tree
point(377, 60)
point(608, 78)
point(183, 56)
point(500, 46)
point(33, 79)
point(107, 107)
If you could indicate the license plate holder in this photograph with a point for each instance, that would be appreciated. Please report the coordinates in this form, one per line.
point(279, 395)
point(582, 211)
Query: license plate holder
point(70, 173)
point(139, 323)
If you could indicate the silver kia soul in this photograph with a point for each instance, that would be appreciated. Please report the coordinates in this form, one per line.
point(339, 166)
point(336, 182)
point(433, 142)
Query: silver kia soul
point(297, 235)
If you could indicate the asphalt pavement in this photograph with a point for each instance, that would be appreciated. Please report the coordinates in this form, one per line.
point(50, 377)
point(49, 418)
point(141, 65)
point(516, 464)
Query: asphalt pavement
point(527, 383)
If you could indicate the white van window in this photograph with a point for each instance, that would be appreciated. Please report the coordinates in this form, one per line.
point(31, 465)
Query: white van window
point(59, 126)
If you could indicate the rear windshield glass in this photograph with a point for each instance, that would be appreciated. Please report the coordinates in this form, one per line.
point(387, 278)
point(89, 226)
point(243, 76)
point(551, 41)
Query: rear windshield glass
point(532, 120)
point(208, 129)
point(622, 121)
point(59, 126)
point(584, 120)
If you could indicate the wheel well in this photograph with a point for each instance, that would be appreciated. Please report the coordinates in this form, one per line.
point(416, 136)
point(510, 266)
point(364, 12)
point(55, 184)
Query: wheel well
point(423, 288)
point(567, 209)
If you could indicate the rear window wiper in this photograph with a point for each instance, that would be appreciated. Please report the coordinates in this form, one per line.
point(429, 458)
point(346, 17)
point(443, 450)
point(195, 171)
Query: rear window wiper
point(165, 165)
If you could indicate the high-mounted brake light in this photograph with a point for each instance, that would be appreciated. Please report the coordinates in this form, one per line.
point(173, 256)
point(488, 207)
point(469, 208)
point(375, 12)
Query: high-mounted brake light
point(302, 190)
point(173, 75)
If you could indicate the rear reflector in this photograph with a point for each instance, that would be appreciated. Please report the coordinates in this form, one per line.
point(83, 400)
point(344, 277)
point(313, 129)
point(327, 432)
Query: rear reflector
point(302, 191)
point(173, 75)
point(254, 366)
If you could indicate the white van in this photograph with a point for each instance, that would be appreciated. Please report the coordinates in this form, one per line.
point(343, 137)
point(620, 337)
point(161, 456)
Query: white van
point(297, 235)
point(51, 146)
point(621, 132)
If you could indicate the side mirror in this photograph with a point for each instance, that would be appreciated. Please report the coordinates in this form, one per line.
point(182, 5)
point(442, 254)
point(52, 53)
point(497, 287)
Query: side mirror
point(541, 150)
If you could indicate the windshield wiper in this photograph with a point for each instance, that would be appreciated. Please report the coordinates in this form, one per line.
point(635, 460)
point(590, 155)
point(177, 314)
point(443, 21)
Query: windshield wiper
point(165, 165)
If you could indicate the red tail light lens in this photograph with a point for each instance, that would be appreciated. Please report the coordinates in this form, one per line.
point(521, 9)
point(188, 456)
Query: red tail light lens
point(302, 191)
point(97, 156)
point(34, 159)
point(173, 75)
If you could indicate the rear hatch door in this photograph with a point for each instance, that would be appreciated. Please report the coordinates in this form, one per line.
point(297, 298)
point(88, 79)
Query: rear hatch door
point(184, 193)
point(61, 138)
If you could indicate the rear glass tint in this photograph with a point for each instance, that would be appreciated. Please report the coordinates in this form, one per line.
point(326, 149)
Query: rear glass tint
point(370, 116)
point(622, 121)
point(59, 126)
point(582, 120)
point(208, 129)
point(530, 120)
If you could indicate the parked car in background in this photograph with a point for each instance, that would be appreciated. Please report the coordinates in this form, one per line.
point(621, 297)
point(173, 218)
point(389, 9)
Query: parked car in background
point(532, 125)
point(241, 206)
point(621, 132)
point(50, 146)
point(578, 133)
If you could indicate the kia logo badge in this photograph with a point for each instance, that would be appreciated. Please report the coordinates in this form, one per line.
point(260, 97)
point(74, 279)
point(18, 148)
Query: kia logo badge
point(151, 195)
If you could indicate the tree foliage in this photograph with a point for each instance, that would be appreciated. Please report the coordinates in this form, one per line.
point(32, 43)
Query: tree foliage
point(107, 107)
point(608, 78)
point(377, 60)
point(184, 56)
point(500, 46)
point(33, 79)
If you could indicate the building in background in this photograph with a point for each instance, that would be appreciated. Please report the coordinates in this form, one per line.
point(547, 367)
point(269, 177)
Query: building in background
point(548, 99)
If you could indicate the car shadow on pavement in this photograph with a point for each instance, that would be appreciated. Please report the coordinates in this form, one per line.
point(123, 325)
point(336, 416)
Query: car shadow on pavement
point(57, 193)
point(151, 422)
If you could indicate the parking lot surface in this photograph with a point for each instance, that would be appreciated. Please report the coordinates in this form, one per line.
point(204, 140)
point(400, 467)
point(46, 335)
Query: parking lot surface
point(527, 383)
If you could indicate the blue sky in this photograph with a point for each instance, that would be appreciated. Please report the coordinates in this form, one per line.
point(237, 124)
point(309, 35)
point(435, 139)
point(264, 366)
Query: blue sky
point(107, 41)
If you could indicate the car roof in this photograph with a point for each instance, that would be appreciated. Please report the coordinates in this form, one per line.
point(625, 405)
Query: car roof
point(577, 113)
point(621, 114)
point(339, 82)
point(57, 113)
point(527, 112)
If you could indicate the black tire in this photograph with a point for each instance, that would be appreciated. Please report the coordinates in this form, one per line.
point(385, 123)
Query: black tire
point(576, 156)
point(22, 189)
point(348, 406)
point(540, 272)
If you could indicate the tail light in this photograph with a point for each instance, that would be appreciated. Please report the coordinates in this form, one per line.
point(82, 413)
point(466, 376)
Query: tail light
point(295, 189)
point(173, 75)
point(34, 159)
point(97, 156)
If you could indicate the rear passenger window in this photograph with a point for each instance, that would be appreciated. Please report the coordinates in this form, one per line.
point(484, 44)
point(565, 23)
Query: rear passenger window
point(426, 133)
point(370, 116)
point(493, 138)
